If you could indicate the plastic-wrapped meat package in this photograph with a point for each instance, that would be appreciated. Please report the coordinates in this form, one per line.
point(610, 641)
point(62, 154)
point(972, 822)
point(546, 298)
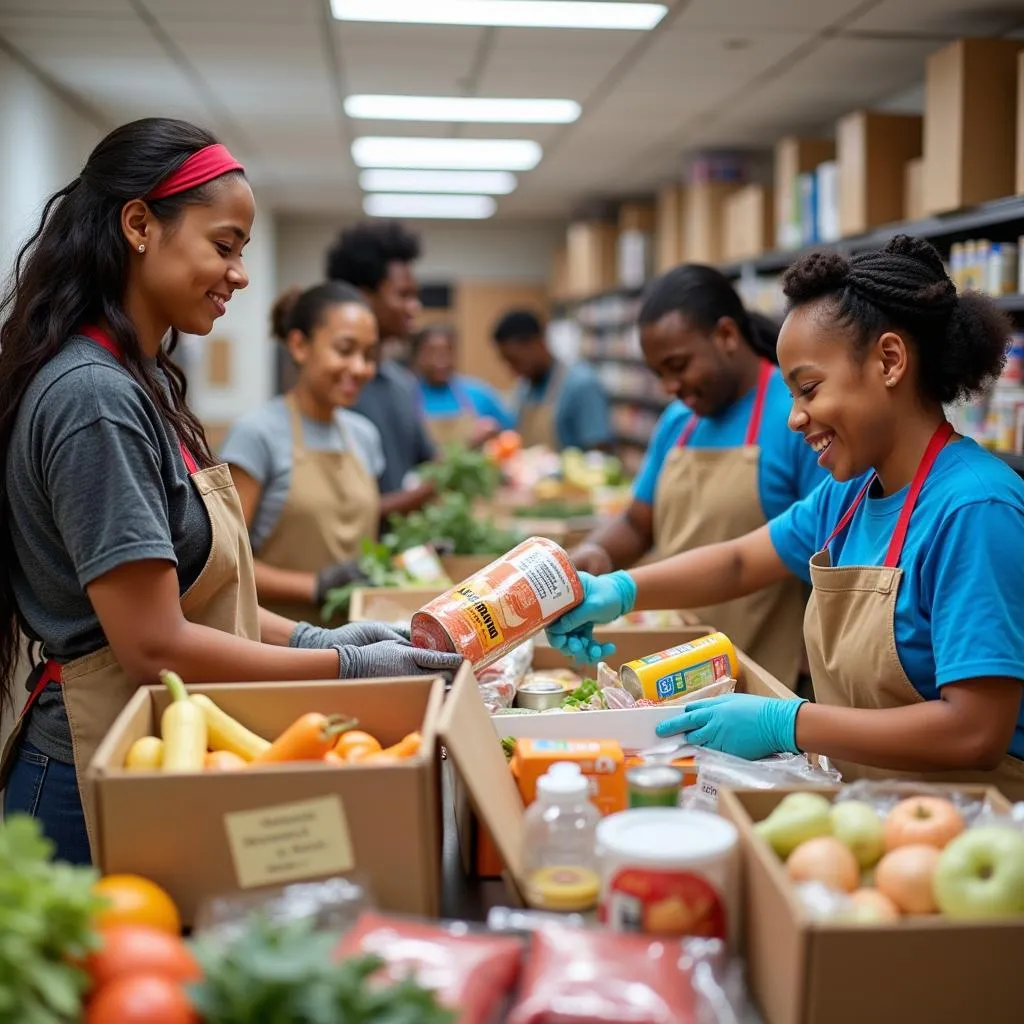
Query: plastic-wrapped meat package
point(470, 972)
point(499, 682)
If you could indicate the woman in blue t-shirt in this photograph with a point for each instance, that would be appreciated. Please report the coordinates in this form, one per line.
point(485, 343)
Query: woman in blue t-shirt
point(722, 460)
point(457, 408)
point(915, 629)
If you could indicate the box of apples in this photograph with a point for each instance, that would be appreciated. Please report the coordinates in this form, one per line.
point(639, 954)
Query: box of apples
point(888, 903)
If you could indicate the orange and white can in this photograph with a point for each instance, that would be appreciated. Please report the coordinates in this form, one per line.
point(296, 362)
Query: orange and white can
point(501, 606)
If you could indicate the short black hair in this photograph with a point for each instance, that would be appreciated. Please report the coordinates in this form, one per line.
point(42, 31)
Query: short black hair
point(360, 255)
point(961, 340)
point(425, 333)
point(704, 295)
point(518, 325)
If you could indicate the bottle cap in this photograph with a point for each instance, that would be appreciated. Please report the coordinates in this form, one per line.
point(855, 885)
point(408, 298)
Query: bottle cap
point(562, 781)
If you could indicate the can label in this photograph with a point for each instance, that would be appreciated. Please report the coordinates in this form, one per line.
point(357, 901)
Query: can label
point(686, 680)
point(681, 670)
point(663, 903)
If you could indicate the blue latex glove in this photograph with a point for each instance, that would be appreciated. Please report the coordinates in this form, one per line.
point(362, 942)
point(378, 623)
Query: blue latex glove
point(739, 724)
point(605, 598)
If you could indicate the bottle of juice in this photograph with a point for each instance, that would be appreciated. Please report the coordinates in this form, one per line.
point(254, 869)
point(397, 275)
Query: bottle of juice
point(560, 836)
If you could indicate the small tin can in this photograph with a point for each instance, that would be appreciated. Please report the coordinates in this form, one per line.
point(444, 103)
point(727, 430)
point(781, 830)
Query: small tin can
point(654, 785)
point(540, 695)
point(681, 670)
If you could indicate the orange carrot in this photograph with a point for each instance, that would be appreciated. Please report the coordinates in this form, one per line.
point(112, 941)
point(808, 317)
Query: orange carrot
point(307, 739)
point(405, 748)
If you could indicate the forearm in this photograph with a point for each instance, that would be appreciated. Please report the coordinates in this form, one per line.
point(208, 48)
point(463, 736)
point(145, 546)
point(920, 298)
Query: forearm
point(276, 584)
point(693, 579)
point(401, 502)
point(623, 540)
point(275, 629)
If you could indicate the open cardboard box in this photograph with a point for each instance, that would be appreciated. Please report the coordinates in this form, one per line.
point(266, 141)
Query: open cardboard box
point(213, 833)
point(918, 969)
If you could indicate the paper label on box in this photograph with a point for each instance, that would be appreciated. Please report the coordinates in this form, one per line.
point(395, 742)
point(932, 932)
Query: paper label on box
point(289, 842)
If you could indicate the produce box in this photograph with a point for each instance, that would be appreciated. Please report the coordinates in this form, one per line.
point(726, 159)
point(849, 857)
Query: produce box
point(460, 567)
point(212, 833)
point(917, 969)
point(390, 604)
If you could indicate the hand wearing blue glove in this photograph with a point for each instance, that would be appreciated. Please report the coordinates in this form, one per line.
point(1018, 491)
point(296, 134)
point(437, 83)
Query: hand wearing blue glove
point(605, 599)
point(739, 723)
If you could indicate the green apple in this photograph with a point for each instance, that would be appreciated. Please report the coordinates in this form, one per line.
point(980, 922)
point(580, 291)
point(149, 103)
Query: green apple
point(860, 827)
point(981, 874)
point(797, 818)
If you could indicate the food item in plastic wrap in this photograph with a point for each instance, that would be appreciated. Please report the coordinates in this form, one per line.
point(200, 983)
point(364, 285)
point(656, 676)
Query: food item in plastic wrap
point(508, 602)
point(681, 670)
point(470, 972)
point(615, 698)
point(602, 761)
point(499, 682)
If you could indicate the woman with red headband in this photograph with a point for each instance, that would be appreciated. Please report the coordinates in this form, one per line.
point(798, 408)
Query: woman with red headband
point(123, 550)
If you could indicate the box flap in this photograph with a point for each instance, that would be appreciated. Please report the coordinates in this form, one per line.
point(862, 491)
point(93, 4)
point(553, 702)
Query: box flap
point(468, 736)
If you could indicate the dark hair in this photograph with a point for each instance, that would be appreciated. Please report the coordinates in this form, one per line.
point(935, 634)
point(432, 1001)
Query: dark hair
point(704, 295)
point(73, 272)
point(961, 340)
point(518, 325)
point(362, 252)
point(298, 310)
point(423, 335)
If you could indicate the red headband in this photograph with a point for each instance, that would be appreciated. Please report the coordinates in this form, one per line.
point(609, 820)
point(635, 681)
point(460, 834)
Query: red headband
point(202, 166)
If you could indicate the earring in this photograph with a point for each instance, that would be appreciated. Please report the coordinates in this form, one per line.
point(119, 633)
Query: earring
point(142, 248)
point(890, 383)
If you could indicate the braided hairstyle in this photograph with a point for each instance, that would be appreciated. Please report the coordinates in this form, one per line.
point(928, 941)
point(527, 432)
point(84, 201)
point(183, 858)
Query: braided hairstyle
point(961, 340)
point(704, 295)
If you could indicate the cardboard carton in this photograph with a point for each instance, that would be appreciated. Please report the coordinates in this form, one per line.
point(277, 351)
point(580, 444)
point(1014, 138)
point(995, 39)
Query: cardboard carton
point(208, 834)
point(918, 969)
point(749, 227)
point(390, 604)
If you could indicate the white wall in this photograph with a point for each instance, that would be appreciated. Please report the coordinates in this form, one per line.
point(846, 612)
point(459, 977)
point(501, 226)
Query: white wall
point(452, 251)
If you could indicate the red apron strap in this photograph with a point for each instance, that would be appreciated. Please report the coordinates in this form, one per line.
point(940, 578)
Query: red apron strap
point(757, 413)
point(848, 515)
point(51, 674)
point(106, 342)
point(687, 432)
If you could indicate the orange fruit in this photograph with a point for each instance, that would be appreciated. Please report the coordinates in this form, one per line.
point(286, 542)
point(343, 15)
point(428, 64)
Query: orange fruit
point(357, 752)
point(141, 999)
point(133, 899)
point(139, 949)
point(355, 739)
point(223, 761)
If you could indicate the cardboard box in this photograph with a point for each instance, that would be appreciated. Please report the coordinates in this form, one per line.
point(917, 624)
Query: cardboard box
point(913, 189)
point(591, 257)
point(668, 230)
point(969, 123)
point(461, 567)
point(749, 227)
point(207, 834)
point(390, 604)
point(704, 220)
point(793, 157)
point(923, 969)
point(871, 150)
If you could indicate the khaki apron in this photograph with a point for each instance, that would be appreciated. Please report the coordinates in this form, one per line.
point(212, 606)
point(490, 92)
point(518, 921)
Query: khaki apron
point(711, 495)
point(333, 504)
point(458, 429)
point(536, 420)
point(95, 687)
point(849, 629)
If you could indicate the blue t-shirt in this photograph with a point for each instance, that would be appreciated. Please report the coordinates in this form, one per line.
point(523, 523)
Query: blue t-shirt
point(960, 605)
point(787, 470)
point(582, 411)
point(451, 400)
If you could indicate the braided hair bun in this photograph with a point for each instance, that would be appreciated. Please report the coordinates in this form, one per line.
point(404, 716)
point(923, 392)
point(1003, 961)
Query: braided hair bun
point(961, 339)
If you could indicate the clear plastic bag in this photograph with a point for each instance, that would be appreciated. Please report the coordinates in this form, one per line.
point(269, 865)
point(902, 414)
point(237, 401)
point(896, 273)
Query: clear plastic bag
point(500, 682)
point(990, 816)
point(884, 795)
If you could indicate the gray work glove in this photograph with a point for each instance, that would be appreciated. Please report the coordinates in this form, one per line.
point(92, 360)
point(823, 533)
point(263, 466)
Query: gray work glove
point(335, 576)
point(394, 658)
point(358, 633)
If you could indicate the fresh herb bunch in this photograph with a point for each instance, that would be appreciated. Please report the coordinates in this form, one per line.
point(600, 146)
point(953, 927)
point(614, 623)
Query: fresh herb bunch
point(286, 973)
point(462, 470)
point(376, 563)
point(583, 696)
point(555, 510)
point(450, 520)
point(46, 913)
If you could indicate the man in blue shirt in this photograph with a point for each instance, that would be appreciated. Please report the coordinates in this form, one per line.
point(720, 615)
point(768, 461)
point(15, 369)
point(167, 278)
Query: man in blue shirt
point(556, 405)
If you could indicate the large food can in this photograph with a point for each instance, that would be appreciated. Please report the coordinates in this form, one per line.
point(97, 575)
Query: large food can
point(496, 609)
point(679, 671)
point(669, 871)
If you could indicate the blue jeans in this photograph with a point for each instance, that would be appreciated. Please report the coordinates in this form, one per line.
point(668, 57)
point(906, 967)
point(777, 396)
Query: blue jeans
point(47, 790)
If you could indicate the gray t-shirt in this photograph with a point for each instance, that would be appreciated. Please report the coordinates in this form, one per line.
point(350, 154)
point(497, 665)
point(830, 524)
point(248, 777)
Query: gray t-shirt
point(260, 444)
point(96, 480)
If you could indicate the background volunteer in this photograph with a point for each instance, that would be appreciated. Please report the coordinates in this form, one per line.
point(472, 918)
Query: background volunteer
point(555, 405)
point(305, 465)
point(915, 627)
point(722, 461)
point(457, 408)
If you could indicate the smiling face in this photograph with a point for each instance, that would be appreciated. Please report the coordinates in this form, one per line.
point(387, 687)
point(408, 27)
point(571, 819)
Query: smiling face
point(339, 357)
point(694, 365)
point(396, 303)
point(435, 359)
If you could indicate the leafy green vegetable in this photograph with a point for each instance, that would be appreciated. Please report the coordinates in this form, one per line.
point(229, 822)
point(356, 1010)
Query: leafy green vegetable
point(376, 564)
point(555, 510)
point(582, 694)
point(46, 914)
point(508, 746)
point(450, 520)
point(462, 470)
point(285, 973)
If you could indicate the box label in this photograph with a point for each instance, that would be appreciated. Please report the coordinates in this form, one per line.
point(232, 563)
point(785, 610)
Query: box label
point(289, 842)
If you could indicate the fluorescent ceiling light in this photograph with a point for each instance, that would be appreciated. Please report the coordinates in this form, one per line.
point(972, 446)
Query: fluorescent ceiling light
point(447, 154)
point(509, 13)
point(492, 183)
point(444, 207)
point(461, 108)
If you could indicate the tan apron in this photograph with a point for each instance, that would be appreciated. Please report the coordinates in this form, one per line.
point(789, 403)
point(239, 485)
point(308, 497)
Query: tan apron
point(458, 429)
point(711, 495)
point(333, 504)
point(849, 629)
point(536, 420)
point(95, 687)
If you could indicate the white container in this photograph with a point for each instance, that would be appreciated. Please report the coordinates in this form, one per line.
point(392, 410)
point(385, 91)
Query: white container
point(669, 871)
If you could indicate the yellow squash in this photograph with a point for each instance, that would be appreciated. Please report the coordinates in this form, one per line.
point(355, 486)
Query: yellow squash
point(224, 733)
point(145, 755)
point(183, 727)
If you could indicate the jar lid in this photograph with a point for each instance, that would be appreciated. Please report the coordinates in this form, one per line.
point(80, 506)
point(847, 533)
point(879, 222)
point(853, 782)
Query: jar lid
point(658, 835)
point(565, 887)
point(562, 781)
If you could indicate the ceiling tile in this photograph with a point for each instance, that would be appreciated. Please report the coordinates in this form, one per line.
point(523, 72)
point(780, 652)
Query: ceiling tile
point(951, 18)
point(743, 17)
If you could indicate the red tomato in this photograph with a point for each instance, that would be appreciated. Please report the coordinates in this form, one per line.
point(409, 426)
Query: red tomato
point(141, 999)
point(140, 949)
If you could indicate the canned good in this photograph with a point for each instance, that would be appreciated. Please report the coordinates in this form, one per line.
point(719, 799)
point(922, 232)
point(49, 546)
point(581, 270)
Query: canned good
point(495, 610)
point(654, 786)
point(540, 695)
point(671, 674)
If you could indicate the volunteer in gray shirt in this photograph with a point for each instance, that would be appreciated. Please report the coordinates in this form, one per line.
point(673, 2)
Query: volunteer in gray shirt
point(122, 547)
